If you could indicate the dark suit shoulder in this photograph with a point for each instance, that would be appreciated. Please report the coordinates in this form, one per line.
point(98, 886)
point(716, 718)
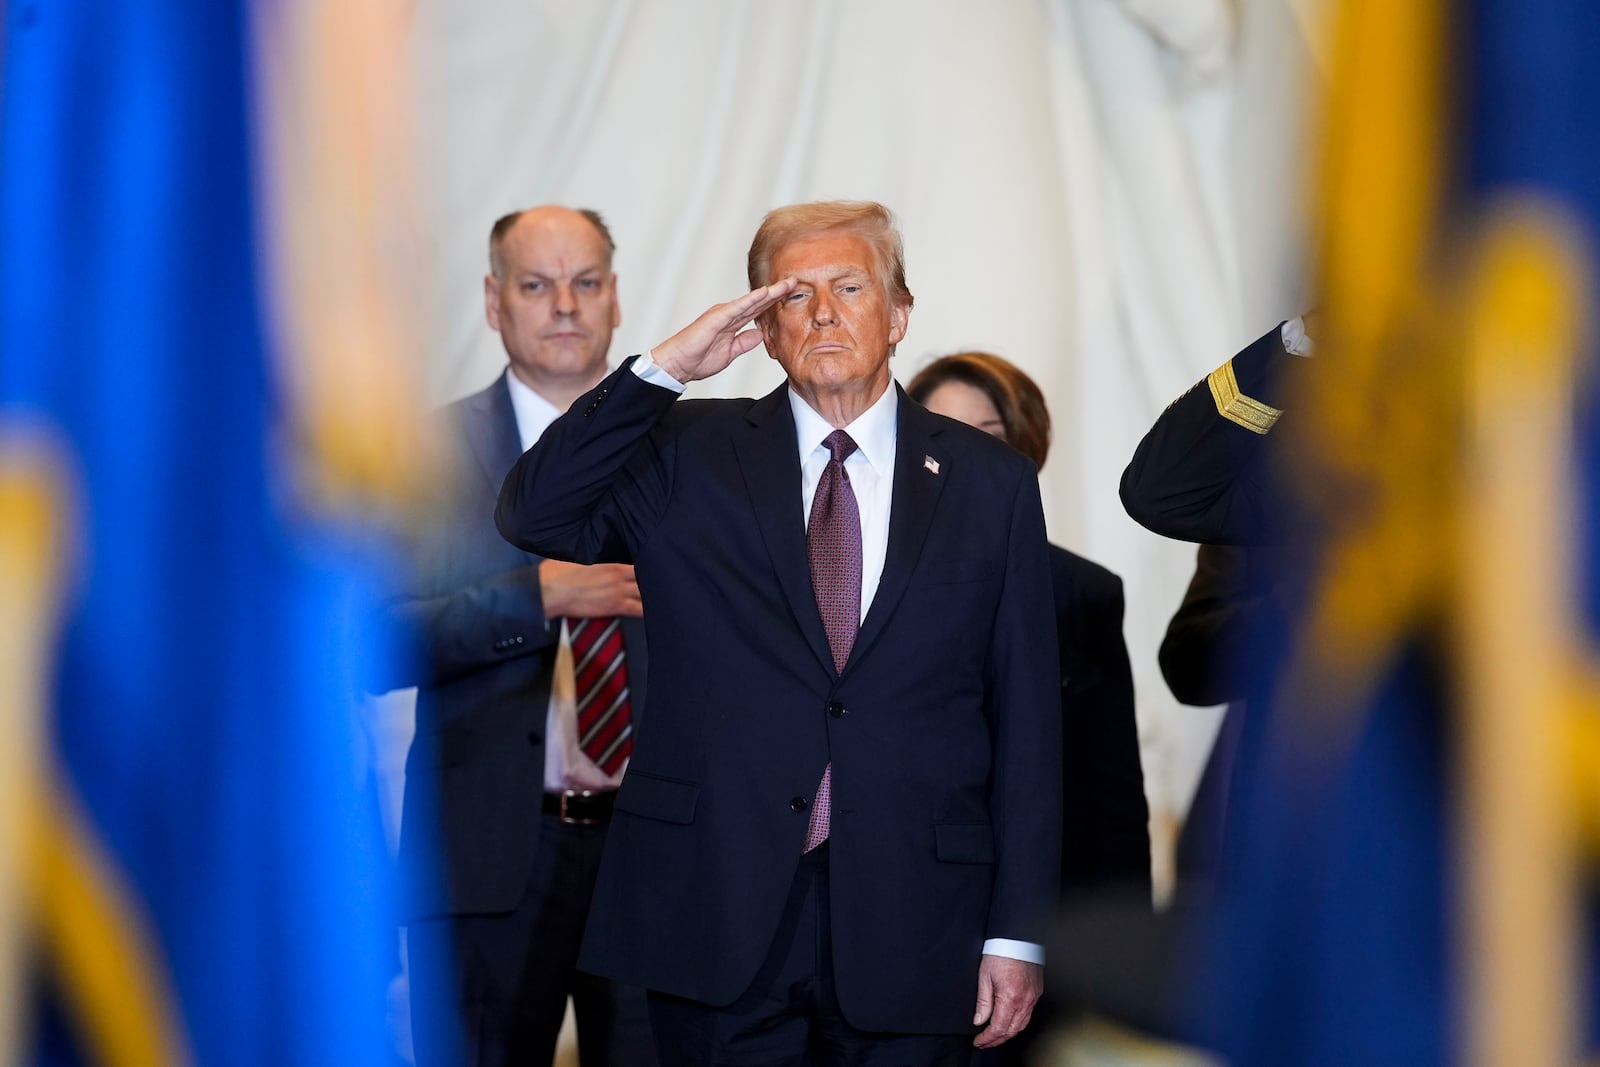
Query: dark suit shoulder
point(485, 415)
point(968, 442)
point(1086, 579)
point(1088, 603)
point(475, 405)
point(709, 412)
point(481, 441)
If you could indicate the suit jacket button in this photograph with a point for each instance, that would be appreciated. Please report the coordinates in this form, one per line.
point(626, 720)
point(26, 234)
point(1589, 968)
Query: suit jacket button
point(836, 709)
point(799, 804)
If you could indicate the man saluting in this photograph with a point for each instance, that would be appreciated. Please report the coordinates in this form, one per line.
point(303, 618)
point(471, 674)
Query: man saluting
point(837, 837)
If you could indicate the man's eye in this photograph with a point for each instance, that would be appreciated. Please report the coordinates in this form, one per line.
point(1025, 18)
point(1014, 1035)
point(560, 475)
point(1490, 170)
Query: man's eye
point(797, 296)
point(532, 287)
point(849, 288)
point(588, 283)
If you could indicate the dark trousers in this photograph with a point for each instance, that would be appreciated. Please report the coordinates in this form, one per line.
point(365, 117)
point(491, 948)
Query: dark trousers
point(491, 990)
point(790, 1016)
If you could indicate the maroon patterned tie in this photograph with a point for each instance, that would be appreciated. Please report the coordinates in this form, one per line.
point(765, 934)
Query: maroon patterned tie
point(833, 544)
point(600, 669)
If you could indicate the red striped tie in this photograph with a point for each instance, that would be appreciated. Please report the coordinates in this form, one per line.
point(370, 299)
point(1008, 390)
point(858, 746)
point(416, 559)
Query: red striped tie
point(599, 665)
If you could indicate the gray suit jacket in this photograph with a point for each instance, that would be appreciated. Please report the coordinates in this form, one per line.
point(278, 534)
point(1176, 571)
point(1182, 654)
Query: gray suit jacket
point(481, 655)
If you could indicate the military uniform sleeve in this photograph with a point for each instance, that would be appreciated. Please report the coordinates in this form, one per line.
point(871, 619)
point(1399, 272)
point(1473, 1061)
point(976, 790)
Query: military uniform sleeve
point(1204, 472)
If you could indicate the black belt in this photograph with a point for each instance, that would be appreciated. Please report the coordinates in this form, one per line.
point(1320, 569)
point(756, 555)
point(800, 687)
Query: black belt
point(580, 807)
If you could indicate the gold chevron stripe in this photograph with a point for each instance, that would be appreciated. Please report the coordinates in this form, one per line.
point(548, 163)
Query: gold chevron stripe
point(94, 940)
point(1234, 406)
point(30, 520)
point(55, 878)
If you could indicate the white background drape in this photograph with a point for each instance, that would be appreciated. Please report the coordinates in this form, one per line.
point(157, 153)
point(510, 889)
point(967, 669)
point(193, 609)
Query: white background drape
point(1105, 192)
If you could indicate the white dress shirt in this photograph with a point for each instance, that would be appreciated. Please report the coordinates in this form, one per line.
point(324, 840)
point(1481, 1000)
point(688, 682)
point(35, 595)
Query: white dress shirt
point(565, 764)
point(871, 468)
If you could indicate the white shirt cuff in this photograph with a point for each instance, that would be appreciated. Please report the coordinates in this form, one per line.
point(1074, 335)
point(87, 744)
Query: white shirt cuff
point(1296, 341)
point(1026, 951)
point(646, 368)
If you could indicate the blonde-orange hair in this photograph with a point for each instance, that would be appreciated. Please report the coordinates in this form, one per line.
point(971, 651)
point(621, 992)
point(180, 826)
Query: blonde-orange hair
point(871, 221)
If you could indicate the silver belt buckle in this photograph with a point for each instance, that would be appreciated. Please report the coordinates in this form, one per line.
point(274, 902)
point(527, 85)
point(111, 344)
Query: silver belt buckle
point(572, 820)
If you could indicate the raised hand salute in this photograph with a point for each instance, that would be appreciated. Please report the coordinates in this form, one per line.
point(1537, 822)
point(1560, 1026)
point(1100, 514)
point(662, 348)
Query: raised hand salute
point(719, 336)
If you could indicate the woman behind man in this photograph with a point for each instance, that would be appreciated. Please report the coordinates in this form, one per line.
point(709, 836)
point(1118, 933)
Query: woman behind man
point(1105, 838)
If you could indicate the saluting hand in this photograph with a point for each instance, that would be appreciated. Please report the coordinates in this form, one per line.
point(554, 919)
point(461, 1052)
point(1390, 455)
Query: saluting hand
point(718, 337)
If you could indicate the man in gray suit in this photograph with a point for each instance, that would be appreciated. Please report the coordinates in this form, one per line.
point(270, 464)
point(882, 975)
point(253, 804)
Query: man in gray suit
point(530, 675)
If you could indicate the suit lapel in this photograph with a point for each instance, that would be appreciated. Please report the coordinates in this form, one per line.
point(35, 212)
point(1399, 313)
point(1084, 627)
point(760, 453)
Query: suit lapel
point(769, 458)
point(914, 496)
point(491, 431)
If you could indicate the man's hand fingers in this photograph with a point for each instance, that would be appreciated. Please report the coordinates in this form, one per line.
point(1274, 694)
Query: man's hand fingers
point(585, 592)
point(756, 301)
point(716, 338)
point(737, 314)
point(985, 999)
point(1006, 1022)
point(745, 341)
point(1013, 987)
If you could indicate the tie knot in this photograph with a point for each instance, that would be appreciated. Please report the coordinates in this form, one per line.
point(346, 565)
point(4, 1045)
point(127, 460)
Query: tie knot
point(839, 445)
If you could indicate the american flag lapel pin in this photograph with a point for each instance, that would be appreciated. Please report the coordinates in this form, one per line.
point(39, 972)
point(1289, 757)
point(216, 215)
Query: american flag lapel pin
point(931, 463)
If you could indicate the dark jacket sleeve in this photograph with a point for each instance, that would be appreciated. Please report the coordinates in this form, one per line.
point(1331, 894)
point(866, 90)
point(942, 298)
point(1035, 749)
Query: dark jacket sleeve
point(476, 625)
point(1203, 472)
point(1201, 654)
point(462, 600)
point(590, 490)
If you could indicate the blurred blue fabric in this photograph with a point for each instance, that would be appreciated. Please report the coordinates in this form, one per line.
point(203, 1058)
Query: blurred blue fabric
point(204, 705)
point(1337, 941)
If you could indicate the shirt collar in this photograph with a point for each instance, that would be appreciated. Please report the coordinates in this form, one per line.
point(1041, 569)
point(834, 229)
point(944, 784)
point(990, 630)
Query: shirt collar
point(873, 430)
point(534, 413)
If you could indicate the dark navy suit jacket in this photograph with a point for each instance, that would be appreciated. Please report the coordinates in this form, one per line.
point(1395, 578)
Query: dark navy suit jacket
point(1105, 830)
point(483, 654)
point(943, 729)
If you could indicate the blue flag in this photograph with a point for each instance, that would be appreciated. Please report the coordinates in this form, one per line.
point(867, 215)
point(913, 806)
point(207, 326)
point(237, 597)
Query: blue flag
point(1462, 149)
point(204, 751)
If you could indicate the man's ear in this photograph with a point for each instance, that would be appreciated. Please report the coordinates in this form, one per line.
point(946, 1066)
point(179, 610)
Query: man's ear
point(491, 301)
point(764, 324)
point(899, 319)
